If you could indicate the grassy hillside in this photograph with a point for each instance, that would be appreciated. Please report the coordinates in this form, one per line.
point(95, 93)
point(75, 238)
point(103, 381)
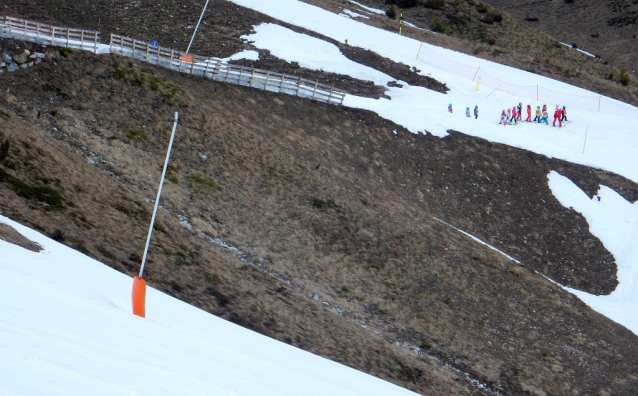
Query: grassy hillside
point(316, 225)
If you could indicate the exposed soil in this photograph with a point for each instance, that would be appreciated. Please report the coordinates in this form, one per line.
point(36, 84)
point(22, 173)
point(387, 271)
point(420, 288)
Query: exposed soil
point(332, 201)
point(351, 85)
point(9, 234)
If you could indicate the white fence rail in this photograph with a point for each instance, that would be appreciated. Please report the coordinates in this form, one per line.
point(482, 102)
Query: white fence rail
point(46, 34)
point(220, 70)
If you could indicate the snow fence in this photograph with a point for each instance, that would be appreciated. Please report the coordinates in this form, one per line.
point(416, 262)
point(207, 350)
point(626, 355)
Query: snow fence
point(593, 103)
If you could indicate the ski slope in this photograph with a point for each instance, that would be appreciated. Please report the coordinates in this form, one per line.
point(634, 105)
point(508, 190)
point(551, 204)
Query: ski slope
point(66, 328)
point(599, 140)
point(611, 140)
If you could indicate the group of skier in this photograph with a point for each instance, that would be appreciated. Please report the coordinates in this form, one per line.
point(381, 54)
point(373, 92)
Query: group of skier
point(515, 115)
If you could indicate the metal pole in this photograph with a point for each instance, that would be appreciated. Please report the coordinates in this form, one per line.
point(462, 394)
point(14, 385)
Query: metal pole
point(159, 193)
point(585, 143)
point(197, 27)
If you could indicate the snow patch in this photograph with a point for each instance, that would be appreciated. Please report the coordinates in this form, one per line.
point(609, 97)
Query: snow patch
point(611, 219)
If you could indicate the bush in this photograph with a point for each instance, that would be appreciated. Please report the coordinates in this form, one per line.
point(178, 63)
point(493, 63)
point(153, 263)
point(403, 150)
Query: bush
point(482, 8)
point(391, 13)
point(434, 4)
point(625, 79)
point(4, 150)
point(201, 184)
point(439, 26)
point(136, 134)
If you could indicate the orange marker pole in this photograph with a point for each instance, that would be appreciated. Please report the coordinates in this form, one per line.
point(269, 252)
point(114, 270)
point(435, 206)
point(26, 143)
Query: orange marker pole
point(139, 284)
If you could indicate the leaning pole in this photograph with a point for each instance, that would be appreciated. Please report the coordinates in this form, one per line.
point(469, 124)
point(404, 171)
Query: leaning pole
point(139, 284)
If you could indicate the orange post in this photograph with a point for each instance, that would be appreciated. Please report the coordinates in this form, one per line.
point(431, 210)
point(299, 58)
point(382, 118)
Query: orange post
point(139, 297)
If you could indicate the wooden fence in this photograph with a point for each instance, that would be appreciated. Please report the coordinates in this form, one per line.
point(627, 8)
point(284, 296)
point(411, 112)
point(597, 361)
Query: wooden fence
point(220, 70)
point(45, 34)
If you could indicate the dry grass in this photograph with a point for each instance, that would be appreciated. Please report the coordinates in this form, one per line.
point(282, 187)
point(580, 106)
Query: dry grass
point(333, 201)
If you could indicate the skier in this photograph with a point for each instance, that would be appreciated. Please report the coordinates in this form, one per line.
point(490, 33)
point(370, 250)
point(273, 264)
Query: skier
point(476, 112)
point(520, 111)
point(449, 109)
point(545, 117)
point(564, 118)
point(544, 107)
point(539, 114)
point(503, 118)
point(529, 113)
point(514, 116)
point(509, 116)
point(558, 113)
point(467, 111)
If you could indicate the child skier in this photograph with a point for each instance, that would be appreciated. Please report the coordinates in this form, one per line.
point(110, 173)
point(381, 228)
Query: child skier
point(529, 113)
point(520, 111)
point(564, 118)
point(545, 117)
point(514, 115)
point(509, 116)
point(476, 112)
point(503, 118)
point(449, 109)
point(467, 111)
point(558, 114)
point(539, 114)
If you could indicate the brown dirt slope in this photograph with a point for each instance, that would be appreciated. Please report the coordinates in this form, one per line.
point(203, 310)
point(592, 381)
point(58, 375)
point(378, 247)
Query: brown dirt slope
point(332, 221)
point(608, 28)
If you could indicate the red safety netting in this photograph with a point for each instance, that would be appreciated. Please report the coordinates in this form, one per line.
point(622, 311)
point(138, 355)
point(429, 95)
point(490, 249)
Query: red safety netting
point(594, 103)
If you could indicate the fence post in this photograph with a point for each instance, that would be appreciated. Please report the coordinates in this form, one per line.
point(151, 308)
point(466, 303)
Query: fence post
point(477, 70)
point(25, 30)
point(330, 96)
point(207, 66)
point(82, 40)
point(96, 41)
point(299, 85)
point(52, 35)
point(67, 38)
point(315, 91)
point(192, 64)
point(37, 32)
point(172, 55)
point(267, 78)
point(147, 49)
point(600, 97)
point(281, 84)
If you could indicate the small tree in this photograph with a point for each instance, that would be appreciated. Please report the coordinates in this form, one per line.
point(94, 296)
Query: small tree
point(439, 26)
point(625, 79)
point(4, 149)
point(391, 13)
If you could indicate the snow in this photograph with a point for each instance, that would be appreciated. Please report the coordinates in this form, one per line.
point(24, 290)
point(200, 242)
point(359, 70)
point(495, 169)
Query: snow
point(614, 221)
point(611, 139)
point(370, 9)
point(479, 241)
point(352, 14)
point(67, 329)
point(579, 50)
point(246, 54)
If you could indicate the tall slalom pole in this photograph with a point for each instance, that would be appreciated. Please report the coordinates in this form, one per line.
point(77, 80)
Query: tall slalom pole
point(139, 284)
point(197, 27)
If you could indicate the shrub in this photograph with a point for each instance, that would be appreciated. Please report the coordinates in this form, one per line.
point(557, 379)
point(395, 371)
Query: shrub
point(498, 18)
point(136, 134)
point(4, 149)
point(201, 184)
point(574, 46)
point(482, 8)
point(434, 4)
point(391, 13)
point(625, 79)
point(439, 26)
point(65, 52)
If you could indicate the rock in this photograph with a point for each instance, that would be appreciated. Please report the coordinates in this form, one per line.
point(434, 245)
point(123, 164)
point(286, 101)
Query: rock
point(32, 56)
point(31, 64)
point(39, 55)
point(1, 71)
point(20, 59)
point(2, 64)
point(38, 61)
point(23, 66)
point(26, 52)
point(6, 58)
point(13, 67)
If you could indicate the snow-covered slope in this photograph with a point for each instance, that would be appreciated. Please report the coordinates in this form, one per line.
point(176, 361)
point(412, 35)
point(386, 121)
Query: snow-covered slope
point(611, 140)
point(66, 328)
